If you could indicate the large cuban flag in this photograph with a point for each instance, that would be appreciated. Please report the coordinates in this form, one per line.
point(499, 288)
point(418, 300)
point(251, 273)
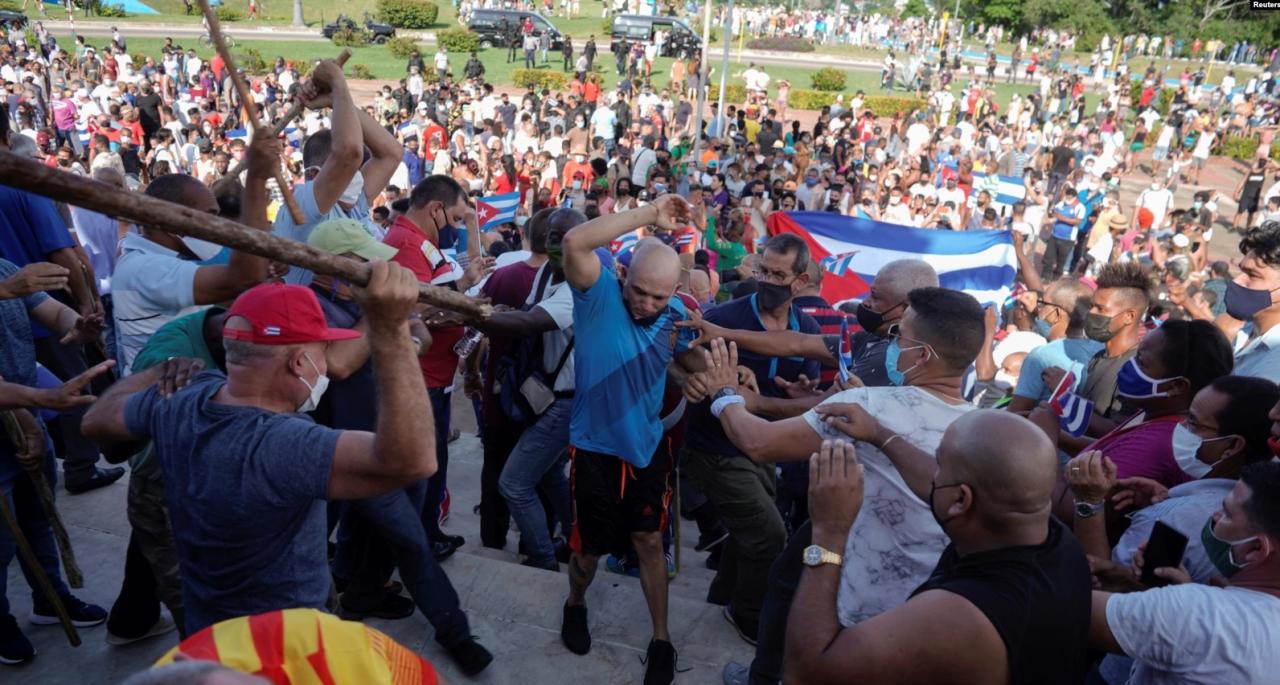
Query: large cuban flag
point(495, 210)
point(1006, 191)
point(981, 263)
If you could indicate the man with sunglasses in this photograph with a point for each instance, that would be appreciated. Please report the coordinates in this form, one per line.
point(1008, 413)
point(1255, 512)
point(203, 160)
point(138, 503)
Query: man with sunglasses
point(1060, 314)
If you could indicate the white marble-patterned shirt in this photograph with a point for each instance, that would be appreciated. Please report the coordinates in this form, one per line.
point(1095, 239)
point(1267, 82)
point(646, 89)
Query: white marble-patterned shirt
point(895, 542)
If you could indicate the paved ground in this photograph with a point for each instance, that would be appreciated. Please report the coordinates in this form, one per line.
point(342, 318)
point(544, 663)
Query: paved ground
point(514, 610)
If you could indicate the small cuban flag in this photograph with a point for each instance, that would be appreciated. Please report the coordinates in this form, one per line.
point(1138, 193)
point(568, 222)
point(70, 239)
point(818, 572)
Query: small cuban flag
point(625, 243)
point(241, 133)
point(844, 357)
point(1073, 411)
point(838, 264)
point(495, 210)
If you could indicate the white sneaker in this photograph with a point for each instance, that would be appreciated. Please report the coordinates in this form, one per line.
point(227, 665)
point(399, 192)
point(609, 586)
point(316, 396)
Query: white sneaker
point(162, 626)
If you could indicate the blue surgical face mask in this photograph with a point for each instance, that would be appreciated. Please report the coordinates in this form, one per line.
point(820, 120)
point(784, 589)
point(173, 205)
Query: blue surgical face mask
point(1133, 383)
point(659, 188)
point(891, 355)
point(811, 182)
point(1041, 327)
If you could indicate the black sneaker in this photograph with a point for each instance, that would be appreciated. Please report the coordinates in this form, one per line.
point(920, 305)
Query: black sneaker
point(15, 648)
point(99, 478)
point(82, 614)
point(660, 663)
point(574, 631)
point(442, 550)
point(391, 607)
point(747, 630)
point(470, 656)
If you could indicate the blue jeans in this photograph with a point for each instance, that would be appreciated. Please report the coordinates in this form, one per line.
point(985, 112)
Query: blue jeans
point(441, 410)
point(539, 457)
point(384, 532)
point(16, 487)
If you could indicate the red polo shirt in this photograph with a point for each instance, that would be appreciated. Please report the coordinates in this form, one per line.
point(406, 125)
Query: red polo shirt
point(421, 256)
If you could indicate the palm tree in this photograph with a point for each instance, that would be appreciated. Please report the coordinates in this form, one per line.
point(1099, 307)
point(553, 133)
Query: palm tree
point(297, 13)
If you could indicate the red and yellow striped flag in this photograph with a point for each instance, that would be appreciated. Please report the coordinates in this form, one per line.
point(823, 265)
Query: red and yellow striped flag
point(306, 647)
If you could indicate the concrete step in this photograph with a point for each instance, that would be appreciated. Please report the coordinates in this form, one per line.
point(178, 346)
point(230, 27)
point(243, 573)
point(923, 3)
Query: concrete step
point(691, 581)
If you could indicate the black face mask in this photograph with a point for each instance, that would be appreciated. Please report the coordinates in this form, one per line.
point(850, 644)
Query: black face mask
point(1098, 327)
point(942, 523)
point(870, 321)
point(771, 296)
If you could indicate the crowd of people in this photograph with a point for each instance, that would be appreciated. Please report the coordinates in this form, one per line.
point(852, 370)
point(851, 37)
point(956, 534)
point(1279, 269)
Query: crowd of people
point(868, 478)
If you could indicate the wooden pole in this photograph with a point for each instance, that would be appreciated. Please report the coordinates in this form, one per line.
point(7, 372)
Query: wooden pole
point(250, 108)
point(143, 210)
point(294, 111)
point(24, 546)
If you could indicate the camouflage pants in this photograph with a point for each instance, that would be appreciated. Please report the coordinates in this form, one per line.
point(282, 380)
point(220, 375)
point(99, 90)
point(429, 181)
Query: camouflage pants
point(149, 516)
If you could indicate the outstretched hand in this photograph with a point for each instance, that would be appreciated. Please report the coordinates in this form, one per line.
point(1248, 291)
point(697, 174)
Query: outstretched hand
point(672, 212)
point(722, 365)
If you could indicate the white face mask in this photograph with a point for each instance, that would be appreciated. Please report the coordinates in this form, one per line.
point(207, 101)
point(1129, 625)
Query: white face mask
point(1186, 445)
point(1005, 380)
point(351, 195)
point(317, 390)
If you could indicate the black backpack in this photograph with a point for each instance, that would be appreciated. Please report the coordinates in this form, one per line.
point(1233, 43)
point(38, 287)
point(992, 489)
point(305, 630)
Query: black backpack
point(522, 364)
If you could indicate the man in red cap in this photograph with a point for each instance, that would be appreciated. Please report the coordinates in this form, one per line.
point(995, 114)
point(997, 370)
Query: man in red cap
point(251, 472)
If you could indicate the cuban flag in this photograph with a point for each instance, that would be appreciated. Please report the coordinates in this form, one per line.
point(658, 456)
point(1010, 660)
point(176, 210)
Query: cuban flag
point(837, 264)
point(1006, 191)
point(1072, 410)
point(624, 243)
point(981, 263)
point(844, 356)
point(495, 210)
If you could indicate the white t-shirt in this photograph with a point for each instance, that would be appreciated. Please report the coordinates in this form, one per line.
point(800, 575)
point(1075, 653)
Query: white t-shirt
point(557, 301)
point(150, 287)
point(1203, 144)
point(1158, 202)
point(895, 542)
point(1198, 634)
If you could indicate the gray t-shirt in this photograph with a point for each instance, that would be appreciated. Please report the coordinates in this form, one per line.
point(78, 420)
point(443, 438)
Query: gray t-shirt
point(246, 490)
point(17, 346)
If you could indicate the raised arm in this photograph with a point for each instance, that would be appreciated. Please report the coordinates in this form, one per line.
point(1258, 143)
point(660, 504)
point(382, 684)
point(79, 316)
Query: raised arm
point(368, 464)
point(772, 343)
point(216, 283)
point(328, 88)
point(385, 153)
point(582, 267)
point(762, 441)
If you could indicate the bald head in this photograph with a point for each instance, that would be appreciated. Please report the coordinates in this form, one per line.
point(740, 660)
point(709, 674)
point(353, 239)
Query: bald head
point(109, 175)
point(1073, 297)
point(1008, 461)
point(652, 278)
point(898, 278)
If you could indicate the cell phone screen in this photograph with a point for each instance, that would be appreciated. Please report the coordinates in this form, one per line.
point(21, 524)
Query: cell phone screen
point(1165, 547)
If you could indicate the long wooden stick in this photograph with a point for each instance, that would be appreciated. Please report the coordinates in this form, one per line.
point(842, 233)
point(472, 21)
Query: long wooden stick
point(75, 577)
point(249, 106)
point(294, 111)
point(143, 210)
point(29, 556)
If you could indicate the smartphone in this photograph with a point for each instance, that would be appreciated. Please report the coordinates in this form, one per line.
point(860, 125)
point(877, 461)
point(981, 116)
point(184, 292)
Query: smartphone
point(1165, 547)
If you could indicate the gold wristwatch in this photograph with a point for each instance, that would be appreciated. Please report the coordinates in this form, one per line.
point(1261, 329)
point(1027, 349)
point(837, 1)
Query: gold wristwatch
point(816, 556)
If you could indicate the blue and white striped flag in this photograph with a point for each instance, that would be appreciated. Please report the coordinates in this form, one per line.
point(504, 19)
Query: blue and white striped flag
point(1006, 191)
point(981, 263)
point(838, 264)
point(1073, 411)
point(495, 210)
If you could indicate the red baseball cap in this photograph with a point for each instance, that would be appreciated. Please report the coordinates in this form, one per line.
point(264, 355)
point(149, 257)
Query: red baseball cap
point(280, 314)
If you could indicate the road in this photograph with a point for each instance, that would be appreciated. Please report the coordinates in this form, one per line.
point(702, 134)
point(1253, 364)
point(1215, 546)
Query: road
point(290, 33)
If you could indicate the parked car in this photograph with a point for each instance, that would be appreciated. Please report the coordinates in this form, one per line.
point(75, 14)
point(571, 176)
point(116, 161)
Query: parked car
point(488, 25)
point(680, 37)
point(377, 32)
point(10, 19)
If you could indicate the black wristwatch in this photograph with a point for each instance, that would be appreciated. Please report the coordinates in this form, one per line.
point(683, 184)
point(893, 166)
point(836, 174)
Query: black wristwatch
point(1086, 510)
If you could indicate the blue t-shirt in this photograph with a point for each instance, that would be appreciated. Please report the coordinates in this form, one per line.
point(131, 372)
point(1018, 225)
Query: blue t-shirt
point(705, 433)
point(620, 372)
point(1070, 354)
point(306, 196)
point(246, 489)
point(17, 348)
point(30, 230)
point(1065, 231)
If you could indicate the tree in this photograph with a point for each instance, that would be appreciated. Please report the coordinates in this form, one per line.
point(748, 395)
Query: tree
point(916, 8)
point(297, 13)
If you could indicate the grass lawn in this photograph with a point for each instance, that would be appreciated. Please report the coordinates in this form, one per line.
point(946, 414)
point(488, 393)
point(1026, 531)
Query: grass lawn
point(383, 65)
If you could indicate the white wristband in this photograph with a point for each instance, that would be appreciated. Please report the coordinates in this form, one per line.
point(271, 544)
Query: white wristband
point(719, 405)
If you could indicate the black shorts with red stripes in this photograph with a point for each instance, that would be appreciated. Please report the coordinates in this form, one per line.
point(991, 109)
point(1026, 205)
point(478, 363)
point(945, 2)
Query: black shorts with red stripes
point(613, 499)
